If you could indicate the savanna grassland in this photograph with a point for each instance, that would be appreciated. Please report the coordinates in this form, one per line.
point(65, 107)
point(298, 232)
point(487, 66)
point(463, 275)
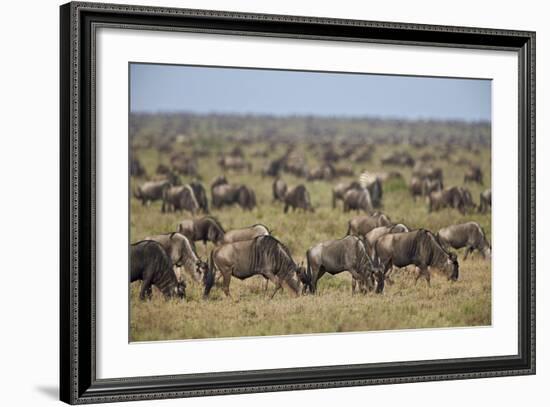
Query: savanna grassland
point(402, 305)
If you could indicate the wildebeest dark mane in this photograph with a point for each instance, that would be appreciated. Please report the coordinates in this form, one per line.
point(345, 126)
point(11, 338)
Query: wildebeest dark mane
point(266, 250)
point(439, 255)
point(215, 221)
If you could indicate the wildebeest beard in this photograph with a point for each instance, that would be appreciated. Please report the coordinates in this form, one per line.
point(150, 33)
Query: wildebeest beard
point(268, 253)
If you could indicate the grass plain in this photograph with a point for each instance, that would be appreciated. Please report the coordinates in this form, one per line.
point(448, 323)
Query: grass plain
point(403, 305)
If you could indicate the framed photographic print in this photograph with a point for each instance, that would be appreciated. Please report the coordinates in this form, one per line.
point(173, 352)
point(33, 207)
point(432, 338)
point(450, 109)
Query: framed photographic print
point(255, 203)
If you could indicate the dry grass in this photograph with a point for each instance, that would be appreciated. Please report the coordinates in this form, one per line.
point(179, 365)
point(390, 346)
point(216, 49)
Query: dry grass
point(403, 305)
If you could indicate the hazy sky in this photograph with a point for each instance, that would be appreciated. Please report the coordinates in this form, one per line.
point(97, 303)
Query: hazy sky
point(172, 88)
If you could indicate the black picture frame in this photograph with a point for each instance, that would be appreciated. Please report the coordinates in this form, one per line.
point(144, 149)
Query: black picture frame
point(78, 382)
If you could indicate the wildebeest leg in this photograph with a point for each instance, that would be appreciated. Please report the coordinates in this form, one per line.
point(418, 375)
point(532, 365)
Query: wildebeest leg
point(226, 280)
point(286, 208)
point(146, 290)
point(353, 285)
point(469, 250)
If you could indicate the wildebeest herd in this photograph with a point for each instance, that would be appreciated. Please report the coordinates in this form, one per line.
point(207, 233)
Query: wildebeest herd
point(209, 216)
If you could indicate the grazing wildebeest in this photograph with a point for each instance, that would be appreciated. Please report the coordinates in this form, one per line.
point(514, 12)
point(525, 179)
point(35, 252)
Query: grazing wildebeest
point(279, 189)
point(226, 194)
point(376, 233)
point(184, 165)
point(182, 254)
point(427, 172)
point(234, 162)
point(361, 225)
point(150, 263)
point(323, 172)
point(474, 174)
point(453, 197)
point(200, 195)
point(206, 229)
point(344, 171)
point(396, 158)
point(248, 233)
point(484, 201)
point(469, 235)
point(358, 199)
point(151, 191)
point(424, 186)
point(263, 255)
point(179, 199)
point(419, 247)
point(298, 198)
point(346, 254)
point(340, 189)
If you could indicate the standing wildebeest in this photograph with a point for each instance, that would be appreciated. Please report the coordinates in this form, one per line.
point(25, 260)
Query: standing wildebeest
point(484, 201)
point(151, 191)
point(427, 172)
point(453, 197)
point(346, 254)
point(419, 247)
point(179, 199)
point(374, 185)
point(182, 254)
point(248, 233)
point(206, 229)
point(340, 190)
point(469, 235)
point(279, 189)
point(150, 263)
point(358, 199)
point(184, 165)
point(265, 256)
point(376, 233)
point(323, 172)
point(298, 198)
point(361, 225)
point(474, 174)
point(226, 194)
point(200, 195)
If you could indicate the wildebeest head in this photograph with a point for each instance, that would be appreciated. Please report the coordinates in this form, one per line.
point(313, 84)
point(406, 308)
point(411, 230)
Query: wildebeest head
point(304, 277)
point(451, 267)
point(215, 233)
point(179, 289)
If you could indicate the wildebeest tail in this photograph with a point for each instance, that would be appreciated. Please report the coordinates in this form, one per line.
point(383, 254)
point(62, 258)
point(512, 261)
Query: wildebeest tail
point(209, 277)
point(309, 274)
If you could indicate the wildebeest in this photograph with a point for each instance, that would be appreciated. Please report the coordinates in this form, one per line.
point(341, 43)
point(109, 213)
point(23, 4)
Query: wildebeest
point(247, 233)
point(179, 199)
point(279, 189)
point(234, 162)
point(263, 255)
point(374, 185)
point(454, 197)
point(346, 254)
point(474, 174)
point(206, 229)
point(424, 186)
point(182, 254)
point(184, 165)
point(469, 235)
point(200, 195)
point(376, 233)
point(150, 263)
point(484, 201)
point(136, 169)
point(361, 225)
point(325, 172)
point(358, 199)
point(226, 194)
point(419, 247)
point(339, 190)
point(398, 158)
point(151, 191)
point(427, 172)
point(298, 198)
